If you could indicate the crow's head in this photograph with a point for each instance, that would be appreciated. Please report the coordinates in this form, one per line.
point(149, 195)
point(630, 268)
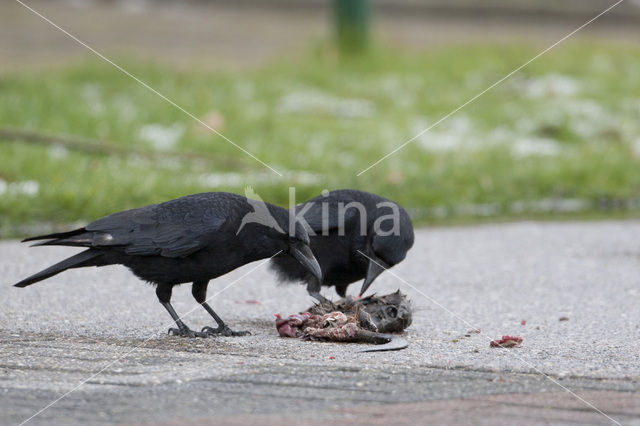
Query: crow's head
point(273, 227)
point(387, 247)
point(294, 241)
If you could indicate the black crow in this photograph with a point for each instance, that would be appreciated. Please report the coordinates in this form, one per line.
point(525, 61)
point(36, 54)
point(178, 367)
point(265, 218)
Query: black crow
point(190, 239)
point(349, 224)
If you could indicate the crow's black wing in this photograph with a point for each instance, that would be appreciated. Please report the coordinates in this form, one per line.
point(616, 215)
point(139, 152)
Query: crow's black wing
point(176, 228)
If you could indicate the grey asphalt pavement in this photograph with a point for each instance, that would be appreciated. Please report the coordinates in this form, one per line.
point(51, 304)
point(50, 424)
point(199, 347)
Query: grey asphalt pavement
point(517, 279)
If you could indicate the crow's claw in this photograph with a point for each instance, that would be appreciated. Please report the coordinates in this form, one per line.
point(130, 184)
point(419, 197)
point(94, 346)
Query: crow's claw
point(186, 332)
point(223, 331)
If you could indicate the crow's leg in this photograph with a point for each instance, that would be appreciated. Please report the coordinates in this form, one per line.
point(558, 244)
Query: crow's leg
point(163, 292)
point(313, 288)
point(199, 291)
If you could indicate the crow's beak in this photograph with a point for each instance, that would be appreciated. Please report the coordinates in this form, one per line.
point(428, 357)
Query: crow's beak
point(304, 255)
point(376, 267)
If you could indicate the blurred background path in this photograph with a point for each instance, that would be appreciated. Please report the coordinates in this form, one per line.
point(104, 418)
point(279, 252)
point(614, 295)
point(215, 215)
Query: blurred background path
point(247, 33)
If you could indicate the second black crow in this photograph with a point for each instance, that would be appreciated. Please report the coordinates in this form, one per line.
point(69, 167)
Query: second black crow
point(357, 235)
point(190, 239)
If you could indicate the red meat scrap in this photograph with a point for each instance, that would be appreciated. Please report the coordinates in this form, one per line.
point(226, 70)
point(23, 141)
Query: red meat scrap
point(292, 325)
point(333, 326)
point(507, 342)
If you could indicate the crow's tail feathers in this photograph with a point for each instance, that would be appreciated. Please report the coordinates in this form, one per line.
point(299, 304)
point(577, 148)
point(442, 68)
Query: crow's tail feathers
point(77, 261)
point(76, 238)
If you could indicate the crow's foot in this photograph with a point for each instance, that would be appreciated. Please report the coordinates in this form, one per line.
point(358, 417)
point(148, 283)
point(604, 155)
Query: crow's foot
point(223, 330)
point(186, 332)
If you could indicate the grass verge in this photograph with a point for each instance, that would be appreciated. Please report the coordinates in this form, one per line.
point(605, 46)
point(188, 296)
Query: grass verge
point(561, 137)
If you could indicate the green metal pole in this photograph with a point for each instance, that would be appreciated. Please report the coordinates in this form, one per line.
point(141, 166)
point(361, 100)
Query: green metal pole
point(352, 23)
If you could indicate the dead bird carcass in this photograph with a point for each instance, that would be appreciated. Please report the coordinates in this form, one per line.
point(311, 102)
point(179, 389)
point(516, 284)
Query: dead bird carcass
point(353, 320)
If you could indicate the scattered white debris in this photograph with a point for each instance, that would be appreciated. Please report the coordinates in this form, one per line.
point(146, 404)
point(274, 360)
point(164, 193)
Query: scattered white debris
point(549, 85)
point(347, 159)
point(459, 133)
point(169, 163)
point(30, 188)
point(162, 137)
point(524, 146)
point(27, 187)
point(396, 90)
point(58, 151)
point(92, 95)
point(314, 101)
point(453, 134)
point(233, 179)
point(533, 146)
point(126, 108)
point(586, 118)
point(303, 177)
point(137, 161)
point(215, 180)
point(547, 205)
point(477, 209)
point(551, 205)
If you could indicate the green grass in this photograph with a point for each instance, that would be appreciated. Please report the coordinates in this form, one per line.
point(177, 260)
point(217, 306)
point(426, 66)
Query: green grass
point(564, 127)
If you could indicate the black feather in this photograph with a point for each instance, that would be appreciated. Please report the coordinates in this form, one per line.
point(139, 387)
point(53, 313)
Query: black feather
point(79, 260)
point(56, 235)
point(190, 239)
point(338, 255)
